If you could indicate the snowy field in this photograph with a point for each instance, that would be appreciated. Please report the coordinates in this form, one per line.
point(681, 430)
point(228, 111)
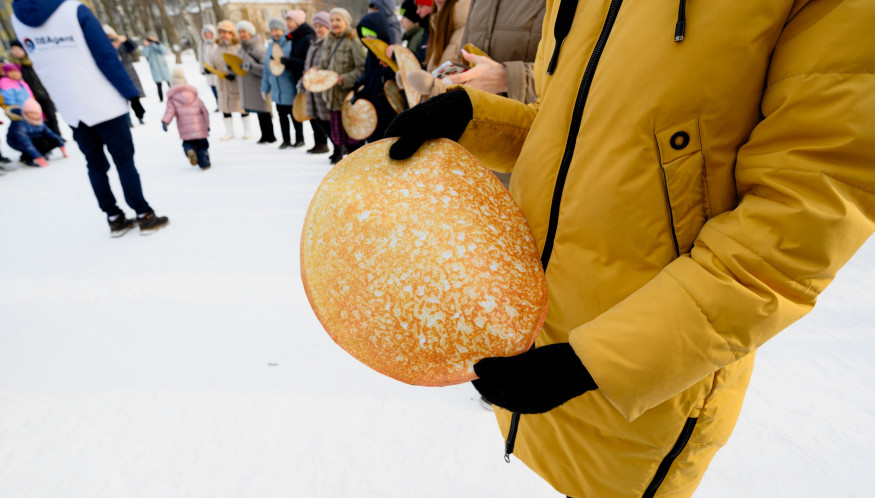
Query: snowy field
point(189, 364)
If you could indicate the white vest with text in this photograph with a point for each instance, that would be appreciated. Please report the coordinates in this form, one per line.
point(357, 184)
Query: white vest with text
point(67, 69)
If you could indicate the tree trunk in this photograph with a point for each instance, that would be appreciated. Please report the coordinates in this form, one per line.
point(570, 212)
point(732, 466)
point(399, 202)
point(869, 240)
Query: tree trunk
point(171, 31)
point(217, 10)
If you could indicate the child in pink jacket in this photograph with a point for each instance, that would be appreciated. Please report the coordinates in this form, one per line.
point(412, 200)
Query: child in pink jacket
point(192, 119)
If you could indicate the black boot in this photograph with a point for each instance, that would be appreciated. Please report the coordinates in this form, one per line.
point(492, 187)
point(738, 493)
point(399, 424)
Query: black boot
point(318, 149)
point(120, 225)
point(285, 145)
point(338, 154)
point(150, 222)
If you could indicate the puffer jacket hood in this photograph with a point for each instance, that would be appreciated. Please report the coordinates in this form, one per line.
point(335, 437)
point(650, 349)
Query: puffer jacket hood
point(184, 94)
point(688, 206)
point(387, 9)
point(35, 12)
point(209, 28)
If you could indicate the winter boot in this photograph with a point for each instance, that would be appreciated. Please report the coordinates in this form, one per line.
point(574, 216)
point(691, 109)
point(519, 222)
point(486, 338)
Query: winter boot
point(119, 225)
point(247, 133)
point(149, 222)
point(338, 154)
point(285, 145)
point(229, 129)
point(192, 156)
point(203, 159)
point(318, 149)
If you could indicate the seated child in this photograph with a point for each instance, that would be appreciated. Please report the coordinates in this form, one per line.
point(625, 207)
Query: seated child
point(192, 119)
point(13, 89)
point(32, 137)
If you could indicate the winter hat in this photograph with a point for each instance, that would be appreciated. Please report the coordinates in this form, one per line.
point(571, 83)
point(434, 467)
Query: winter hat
point(343, 13)
point(322, 18)
point(408, 10)
point(31, 105)
point(299, 16)
point(226, 25)
point(210, 28)
point(276, 23)
point(152, 34)
point(424, 2)
point(178, 77)
point(246, 26)
point(16, 43)
point(109, 31)
point(9, 66)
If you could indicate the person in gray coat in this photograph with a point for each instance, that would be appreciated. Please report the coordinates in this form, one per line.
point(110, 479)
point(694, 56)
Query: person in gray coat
point(125, 48)
point(205, 55)
point(253, 54)
point(317, 109)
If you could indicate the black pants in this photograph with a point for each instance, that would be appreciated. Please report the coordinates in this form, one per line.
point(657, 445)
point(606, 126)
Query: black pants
point(160, 92)
point(43, 145)
point(115, 135)
point(285, 115)
point(266, 125)
point(321, 131)
point(200, 147)
point(228, 114)
point(137, 107)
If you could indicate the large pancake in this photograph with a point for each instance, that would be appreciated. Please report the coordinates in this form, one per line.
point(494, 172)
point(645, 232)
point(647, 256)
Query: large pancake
point(420, 268)
point(319, 80)
point(359, 119)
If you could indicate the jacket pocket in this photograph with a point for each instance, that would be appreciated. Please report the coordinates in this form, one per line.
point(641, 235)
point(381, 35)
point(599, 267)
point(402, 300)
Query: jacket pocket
point(683, 169)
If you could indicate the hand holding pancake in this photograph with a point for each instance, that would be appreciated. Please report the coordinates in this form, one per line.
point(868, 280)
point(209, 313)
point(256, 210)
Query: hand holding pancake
point(533, 382)
point(443, 116)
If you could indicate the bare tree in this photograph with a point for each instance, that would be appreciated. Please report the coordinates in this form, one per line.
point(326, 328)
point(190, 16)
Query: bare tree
point(171, 31)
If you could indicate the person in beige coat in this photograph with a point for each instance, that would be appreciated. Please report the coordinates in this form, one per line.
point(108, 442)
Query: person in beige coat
point(227, 88)
point(446, 30)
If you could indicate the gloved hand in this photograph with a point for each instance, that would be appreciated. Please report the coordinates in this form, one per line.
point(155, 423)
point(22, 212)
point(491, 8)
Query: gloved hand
point(246, 65)
point(205, 72)
point(284, 61)
point(359, 94)
point(163, 126)
point(263, 96)
point(230, 76)
point(533, 382)
point(443, 116)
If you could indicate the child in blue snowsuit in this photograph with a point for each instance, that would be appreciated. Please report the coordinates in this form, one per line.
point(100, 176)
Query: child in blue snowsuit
point(32, 137)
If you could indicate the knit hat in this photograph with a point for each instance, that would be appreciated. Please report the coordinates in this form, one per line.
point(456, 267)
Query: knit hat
point(408, 10)
point(152, 34)
point(109, 31)
point(322, 18)
point(343, 13)
point(226, 25)
point(276, 23)
point(208, 28)
point(16, 43)
point(178, 77)
point(246, 26)
point(424, 2)
point(299, 16)
point(31, 105)
point(9, 66)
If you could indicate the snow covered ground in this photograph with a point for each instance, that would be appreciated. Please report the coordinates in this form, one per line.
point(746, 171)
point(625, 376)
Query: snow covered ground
point(189, 364)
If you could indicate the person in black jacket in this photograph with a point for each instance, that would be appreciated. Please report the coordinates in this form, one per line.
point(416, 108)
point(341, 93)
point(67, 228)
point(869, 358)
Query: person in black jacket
point(300, 35)
point(369, 86)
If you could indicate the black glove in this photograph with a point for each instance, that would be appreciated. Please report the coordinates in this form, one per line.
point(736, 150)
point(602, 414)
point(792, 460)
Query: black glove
point(443, 116)
point(205, 72)
point(284, 61)
point(359, 94)
point(230, 76)
point(534, 382)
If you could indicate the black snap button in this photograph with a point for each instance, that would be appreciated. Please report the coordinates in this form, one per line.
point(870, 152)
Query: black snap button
point(679, 140)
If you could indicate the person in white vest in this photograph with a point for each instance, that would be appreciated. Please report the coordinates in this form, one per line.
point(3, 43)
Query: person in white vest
point(82, 72)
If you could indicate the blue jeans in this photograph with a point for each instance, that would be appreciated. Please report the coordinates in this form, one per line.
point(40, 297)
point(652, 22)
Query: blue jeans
point(115, 134)
point(200, 147)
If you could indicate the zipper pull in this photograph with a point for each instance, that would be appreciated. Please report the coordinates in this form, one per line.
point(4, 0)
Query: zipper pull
point(681, 26)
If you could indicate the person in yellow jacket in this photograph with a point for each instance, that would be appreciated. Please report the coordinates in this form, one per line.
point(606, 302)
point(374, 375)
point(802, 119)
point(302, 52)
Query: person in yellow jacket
point(694, 175)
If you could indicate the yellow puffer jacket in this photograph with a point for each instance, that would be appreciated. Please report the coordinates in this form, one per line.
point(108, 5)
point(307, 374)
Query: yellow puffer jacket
point(692, 202)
